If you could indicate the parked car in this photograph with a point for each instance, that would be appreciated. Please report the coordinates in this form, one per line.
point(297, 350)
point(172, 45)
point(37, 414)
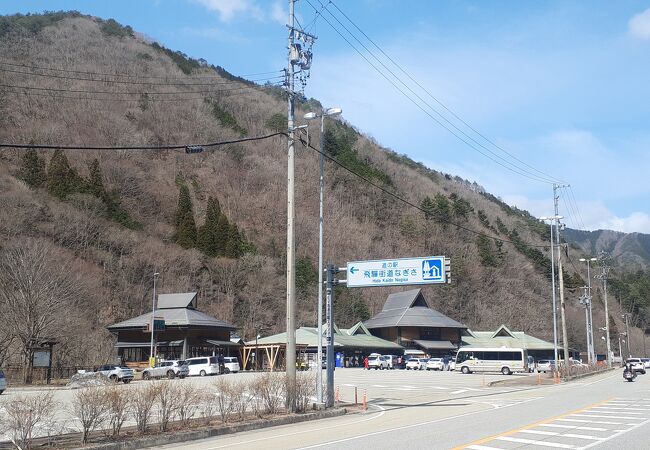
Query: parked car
point(205, 365)
point(545, 365)
point(416, 364)
point(169, 369)
point(231, 364)
point(646, 362)
point(116, 373)
point(392, 361)
point(637, 364)
point(3, 382)
point(435, 364)
point(377, 362)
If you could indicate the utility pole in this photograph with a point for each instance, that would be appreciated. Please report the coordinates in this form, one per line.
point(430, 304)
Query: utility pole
point(585, 299)
point(152, 356)
point(603, 276)
point(554, 301)
point(329, 292)
point(627, 332)
point(565, 340)
point(291, 257)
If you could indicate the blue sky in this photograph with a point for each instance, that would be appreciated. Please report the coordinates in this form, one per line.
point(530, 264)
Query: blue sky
point(562, 86)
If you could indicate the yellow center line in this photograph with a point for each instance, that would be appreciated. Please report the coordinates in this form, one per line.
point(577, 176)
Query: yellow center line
point(532, 425)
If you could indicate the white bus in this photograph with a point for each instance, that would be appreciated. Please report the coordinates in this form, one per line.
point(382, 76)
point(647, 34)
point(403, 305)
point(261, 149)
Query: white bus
point(504, 360)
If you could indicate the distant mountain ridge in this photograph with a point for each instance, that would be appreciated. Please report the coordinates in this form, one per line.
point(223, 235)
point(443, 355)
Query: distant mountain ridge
point(630, 250)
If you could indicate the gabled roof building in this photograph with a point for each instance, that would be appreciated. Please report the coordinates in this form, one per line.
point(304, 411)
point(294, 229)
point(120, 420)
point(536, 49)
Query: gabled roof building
point(504, 338)
point(407, 320)
point(187, 332)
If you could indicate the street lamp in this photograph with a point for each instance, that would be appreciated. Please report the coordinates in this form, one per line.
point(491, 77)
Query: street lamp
point(551, 219)
point(588, 312)
point(152, 357)
point(319, 374)
point(257, 353)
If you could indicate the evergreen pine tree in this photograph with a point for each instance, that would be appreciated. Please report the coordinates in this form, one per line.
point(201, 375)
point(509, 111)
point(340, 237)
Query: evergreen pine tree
point(223, 233)
point(60, 177)
point(95, 183)
point(233, 245)
point(207, 234)
point(427, 205)
point(32, 170)
point(185, 234)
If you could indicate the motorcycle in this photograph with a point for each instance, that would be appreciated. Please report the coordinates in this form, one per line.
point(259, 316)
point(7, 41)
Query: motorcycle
point(629, 374)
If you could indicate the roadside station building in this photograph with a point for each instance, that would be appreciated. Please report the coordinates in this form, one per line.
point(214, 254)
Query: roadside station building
point(407, 320)
point(187, 332)
point(504, 338)
point(350, 344)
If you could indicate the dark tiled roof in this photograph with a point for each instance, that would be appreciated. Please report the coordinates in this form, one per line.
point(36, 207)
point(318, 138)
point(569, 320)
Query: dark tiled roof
point(410, 309)
point(174, 317)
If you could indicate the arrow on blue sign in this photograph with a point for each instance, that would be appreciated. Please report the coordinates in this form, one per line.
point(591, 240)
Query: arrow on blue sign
point(353, 270)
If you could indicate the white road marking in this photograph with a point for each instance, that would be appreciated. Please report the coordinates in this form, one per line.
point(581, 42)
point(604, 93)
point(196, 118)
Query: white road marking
point(482, 447)
point(534, 442)
point(620, 408)
point(583, 436)
point(615, 412)
point(571, 427)
point(618, 434)
point(592, 421)
point(460, 391)
point(545, 433)
point(595, 416)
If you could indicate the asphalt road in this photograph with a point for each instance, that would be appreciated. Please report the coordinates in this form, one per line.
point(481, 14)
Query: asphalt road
point(450, 410)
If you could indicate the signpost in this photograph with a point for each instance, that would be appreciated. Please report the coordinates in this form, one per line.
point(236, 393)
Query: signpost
point(398, 272)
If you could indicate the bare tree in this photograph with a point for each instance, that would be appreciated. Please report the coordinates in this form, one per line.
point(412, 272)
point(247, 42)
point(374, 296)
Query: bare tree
point(23, 414)
point(37, 292)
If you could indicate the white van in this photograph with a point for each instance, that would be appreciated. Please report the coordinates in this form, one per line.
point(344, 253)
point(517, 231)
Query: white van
point(504, 360)
point(204, 365)
point(231, 364)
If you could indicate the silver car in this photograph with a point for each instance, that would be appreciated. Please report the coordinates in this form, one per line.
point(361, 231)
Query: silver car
point(169, 369)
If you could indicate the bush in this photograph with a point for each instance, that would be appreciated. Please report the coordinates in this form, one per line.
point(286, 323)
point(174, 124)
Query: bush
point(90, 407)
point(167, 400)
point(189, 401)
point(24, 414)
point(142, 401)
point(118, 403)
point(305, 390)
point(271, 389)
point(223, 398)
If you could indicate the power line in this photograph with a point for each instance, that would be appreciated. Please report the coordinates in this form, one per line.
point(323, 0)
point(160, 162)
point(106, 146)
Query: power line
point(180, 98)
point(139, 147)
point(506, 164)
point(401, 69)
point(219, 77)
point(82, 91)
point(516, 169)
point(405, 201)
point(575, 203)
point(64, 77)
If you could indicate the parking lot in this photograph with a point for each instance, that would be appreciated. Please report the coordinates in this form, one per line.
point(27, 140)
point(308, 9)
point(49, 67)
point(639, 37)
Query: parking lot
point(384, 389)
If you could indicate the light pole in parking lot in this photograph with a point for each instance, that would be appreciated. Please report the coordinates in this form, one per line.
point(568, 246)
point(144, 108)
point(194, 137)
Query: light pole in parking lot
point(319, 374)
point(552, 219)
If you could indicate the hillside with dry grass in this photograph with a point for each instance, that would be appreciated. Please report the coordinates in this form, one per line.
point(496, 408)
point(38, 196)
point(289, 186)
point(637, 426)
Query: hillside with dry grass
point(74, 80)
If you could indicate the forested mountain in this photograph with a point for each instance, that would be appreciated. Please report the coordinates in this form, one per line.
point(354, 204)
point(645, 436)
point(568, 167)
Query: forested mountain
point(631, 250)
point(101, 222)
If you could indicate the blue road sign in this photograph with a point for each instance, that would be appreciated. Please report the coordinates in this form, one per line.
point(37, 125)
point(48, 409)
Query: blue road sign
point(397, 272)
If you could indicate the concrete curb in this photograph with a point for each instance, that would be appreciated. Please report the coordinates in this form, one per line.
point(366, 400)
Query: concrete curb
point(193, 435)
point(532, 380)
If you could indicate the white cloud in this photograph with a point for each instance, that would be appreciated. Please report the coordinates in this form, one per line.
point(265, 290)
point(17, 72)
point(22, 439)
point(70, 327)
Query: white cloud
point(227, 9)
point(635, 222)
point(639, 25)
point(278, 13)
